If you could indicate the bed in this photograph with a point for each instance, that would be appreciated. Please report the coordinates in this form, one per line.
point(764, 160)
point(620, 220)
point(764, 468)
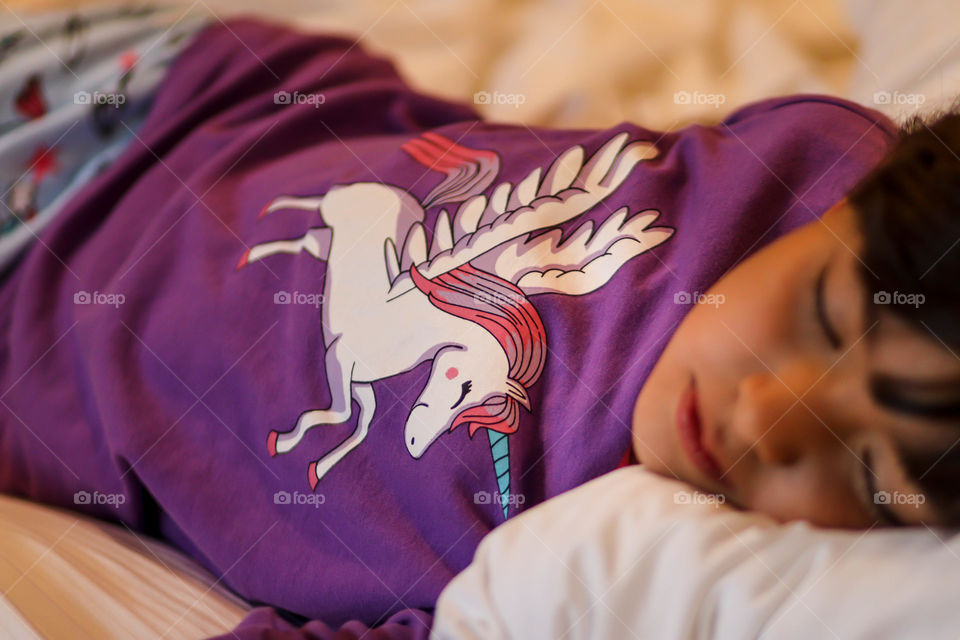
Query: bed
point(571, 64)
point(63, 575)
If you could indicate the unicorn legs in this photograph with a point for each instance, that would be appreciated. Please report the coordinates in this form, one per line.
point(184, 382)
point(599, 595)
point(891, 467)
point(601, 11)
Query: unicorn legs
point(316, 242)
point(363, 394)
point(338, 379)
point(284, 202)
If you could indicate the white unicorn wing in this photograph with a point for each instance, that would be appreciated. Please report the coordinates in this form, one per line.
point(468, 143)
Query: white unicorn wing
point(568, 188)
point(580, 264)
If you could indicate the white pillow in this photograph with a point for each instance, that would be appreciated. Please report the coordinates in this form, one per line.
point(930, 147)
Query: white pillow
point(633, 554)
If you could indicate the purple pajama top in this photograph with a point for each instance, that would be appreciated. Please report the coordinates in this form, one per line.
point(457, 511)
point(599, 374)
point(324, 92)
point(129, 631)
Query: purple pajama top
point(324, 333)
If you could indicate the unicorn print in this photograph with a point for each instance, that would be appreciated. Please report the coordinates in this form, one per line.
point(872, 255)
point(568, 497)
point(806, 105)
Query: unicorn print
point(391, 302)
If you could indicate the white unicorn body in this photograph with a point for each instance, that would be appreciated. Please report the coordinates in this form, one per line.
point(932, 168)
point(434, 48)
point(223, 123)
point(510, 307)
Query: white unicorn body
point(378, 322)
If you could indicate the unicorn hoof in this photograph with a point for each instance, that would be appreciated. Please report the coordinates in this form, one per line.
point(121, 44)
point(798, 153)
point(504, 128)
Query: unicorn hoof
point(272, 443)
point(312, 476)
point(243, 260)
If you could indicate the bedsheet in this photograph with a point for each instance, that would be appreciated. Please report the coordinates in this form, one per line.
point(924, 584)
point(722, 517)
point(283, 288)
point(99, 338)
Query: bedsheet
point(591, 63)
point(64, 575)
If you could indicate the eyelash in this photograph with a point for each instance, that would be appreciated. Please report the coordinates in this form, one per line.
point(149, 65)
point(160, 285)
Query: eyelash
point(464, 390)
point(820, 311)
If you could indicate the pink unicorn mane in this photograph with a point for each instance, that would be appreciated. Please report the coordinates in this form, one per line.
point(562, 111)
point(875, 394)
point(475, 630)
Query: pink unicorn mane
point(468, 171)
point(502, 309)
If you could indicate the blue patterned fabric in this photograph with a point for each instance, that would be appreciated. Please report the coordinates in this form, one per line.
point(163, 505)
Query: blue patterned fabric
point(74, 89)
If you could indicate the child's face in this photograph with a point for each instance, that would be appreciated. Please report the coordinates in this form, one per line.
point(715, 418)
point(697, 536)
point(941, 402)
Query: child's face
point(787, 416)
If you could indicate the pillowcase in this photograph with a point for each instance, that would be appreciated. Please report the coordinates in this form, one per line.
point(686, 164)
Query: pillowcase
point(634, 554)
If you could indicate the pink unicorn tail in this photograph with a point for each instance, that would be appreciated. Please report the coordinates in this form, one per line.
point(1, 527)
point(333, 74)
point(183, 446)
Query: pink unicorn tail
point(468, 171)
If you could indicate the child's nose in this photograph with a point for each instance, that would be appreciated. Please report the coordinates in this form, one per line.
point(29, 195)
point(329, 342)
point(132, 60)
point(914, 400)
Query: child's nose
point(779, 417)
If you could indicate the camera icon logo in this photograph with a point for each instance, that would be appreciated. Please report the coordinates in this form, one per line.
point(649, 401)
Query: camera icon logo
point(881, 497)
point(682, 297)
point(81, 497)
point(481, 497)
point(881, 97)
point(81, 297)
point(281, 497)
point(282, 97)
point(681, 497)
point(681, 97)
point(481, 97)
point(281, 297)
point(82, 97)
point(881, 297)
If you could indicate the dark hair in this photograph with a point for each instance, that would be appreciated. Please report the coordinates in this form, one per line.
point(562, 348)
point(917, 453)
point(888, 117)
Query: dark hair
point(908, 210)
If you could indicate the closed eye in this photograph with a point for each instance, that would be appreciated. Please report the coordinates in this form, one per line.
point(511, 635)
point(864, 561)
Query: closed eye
point(464, 390)
point(821, 310)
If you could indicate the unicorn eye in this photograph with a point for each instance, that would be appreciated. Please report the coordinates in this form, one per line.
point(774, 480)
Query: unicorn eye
point(464, 390)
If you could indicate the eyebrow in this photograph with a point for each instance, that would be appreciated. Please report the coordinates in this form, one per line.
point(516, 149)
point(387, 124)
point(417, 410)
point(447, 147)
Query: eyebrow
point(934, 399)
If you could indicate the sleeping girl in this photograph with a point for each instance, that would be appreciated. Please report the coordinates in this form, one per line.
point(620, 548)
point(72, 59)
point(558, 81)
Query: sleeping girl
point(826, 387)
point(324, 333)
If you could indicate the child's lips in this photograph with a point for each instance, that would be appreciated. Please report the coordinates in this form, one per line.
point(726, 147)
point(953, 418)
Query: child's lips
point(689, 428)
